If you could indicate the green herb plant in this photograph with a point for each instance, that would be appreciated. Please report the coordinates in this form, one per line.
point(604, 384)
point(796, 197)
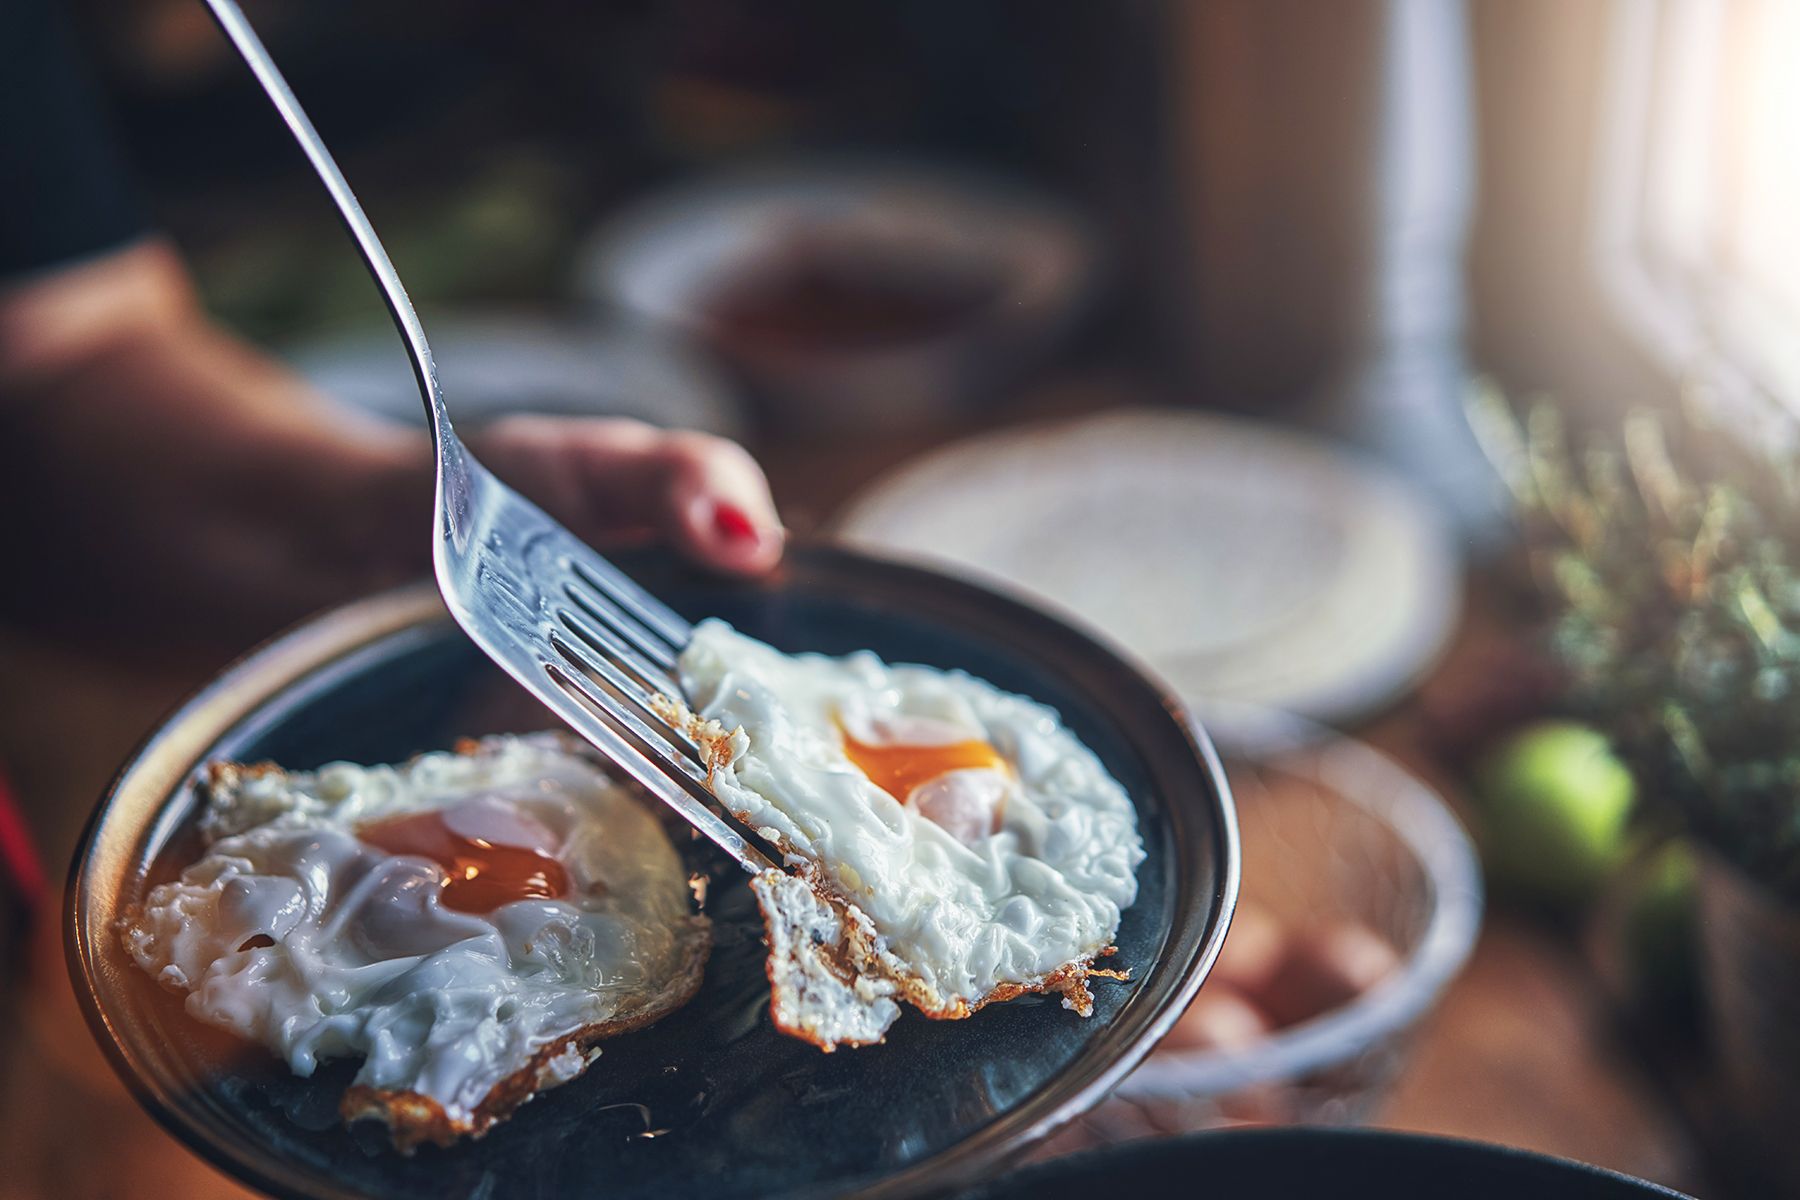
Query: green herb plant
point(1670, 553)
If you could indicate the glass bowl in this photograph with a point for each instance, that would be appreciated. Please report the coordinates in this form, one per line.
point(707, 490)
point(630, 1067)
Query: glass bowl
point(1333, 831)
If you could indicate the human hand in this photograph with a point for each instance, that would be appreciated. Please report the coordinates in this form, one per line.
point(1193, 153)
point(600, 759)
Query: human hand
point(614, 480)
point(182, 483)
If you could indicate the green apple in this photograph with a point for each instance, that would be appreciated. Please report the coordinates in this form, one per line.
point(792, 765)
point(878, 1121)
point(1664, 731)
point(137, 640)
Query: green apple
point(1553, 806)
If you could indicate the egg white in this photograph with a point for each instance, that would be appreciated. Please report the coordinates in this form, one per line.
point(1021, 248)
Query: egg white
point(946, 923)
point(292, 932)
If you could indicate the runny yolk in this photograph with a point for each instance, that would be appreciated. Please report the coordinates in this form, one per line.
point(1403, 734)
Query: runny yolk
point(897, 770)
point(479, 875)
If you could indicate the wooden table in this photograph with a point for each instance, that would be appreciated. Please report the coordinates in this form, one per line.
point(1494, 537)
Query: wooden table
point(1522, 1049)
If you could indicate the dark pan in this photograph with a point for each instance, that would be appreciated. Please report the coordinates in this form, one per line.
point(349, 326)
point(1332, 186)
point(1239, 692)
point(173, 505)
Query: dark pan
point(1343, 1164)
point(710, 1101)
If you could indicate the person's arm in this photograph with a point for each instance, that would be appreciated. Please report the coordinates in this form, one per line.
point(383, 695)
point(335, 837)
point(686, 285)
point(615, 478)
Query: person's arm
point(155, 468)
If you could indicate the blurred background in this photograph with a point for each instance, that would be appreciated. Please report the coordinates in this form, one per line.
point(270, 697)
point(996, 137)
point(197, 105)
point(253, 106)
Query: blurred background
point(1252, 332)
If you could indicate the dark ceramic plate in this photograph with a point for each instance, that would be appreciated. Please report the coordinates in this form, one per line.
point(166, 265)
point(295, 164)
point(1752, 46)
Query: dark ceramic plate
point(710, 1101)
point(1344, 1164)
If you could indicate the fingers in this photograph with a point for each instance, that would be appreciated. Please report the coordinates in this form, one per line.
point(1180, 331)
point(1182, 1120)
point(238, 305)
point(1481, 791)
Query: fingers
point(613, 478)
point(720, 509)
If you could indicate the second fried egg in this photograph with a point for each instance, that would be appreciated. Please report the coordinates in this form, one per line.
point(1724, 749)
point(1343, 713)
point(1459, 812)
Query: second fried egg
point(961, 845)
point(470, 924)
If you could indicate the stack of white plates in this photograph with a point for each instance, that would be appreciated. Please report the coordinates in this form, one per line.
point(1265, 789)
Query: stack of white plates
point(1241, 562)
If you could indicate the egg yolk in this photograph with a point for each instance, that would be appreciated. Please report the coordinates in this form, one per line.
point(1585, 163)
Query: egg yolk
point(479, 875)
point(897, 770)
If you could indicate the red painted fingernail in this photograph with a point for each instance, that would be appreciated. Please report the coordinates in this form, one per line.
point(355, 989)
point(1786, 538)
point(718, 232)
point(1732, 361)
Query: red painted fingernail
point(732, 522)
point(21, 870)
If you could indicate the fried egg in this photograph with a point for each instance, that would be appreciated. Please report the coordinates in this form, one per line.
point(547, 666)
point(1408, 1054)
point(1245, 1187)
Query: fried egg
point(471, 924)
point(955, 844)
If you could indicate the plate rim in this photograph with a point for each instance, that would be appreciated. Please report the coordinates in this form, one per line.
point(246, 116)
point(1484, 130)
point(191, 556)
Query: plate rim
point(105, 859)
point(1440, 600)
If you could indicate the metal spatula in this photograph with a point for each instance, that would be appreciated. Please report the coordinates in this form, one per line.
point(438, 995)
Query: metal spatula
point(575, 630)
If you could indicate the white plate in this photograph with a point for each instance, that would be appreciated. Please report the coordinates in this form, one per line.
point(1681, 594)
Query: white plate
point(495, 363)
point(1241, 562)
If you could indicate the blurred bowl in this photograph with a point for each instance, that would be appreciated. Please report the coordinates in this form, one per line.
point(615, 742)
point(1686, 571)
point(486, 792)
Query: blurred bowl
point(1335, 835)
point(851, 296)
